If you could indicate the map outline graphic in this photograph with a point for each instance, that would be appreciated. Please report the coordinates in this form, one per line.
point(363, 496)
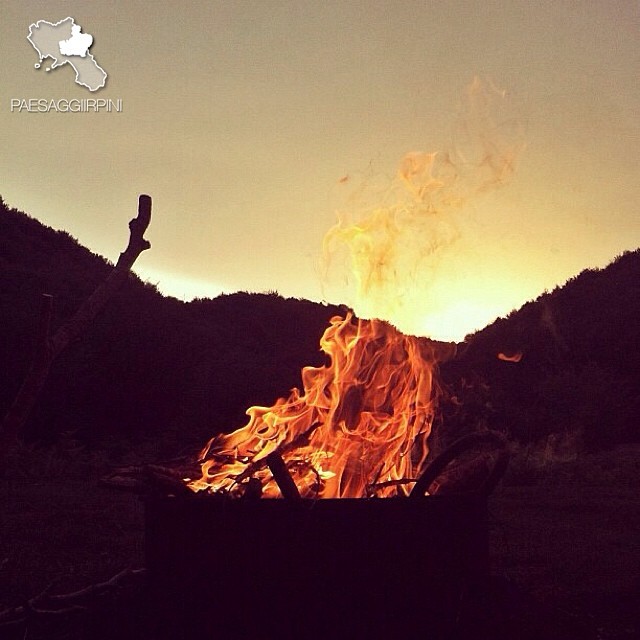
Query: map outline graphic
point(89, 73)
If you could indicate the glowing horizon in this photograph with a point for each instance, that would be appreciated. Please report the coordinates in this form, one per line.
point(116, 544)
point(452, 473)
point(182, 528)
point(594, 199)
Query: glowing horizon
point(249, 134)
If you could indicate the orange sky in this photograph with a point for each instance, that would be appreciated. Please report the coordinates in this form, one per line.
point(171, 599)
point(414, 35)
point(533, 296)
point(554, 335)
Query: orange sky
point(240, 119)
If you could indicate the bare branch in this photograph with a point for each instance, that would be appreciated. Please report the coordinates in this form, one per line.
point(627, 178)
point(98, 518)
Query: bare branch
point(99, 298)
point(67, 603)
point(48, 348)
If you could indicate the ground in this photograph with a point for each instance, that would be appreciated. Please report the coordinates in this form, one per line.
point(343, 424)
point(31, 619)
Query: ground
point(565, 534)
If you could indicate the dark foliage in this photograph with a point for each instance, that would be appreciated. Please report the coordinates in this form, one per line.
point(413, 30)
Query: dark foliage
point(578, 379)
point(150, 366)
point(155, 367)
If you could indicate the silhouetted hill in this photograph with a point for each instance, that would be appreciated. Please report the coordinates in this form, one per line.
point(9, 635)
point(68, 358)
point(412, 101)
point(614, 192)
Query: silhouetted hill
point(155, 367)
point(580, 369)
point(150, 365)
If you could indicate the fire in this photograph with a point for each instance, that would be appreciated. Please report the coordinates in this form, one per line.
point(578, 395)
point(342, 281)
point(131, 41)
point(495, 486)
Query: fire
point(360, 427)
point(397, 250)
point(361, 424)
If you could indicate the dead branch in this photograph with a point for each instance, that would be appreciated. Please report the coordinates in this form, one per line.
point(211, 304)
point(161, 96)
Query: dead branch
point(48, 348)
point(151, 478)
point(159, 481)
point(66, 604)
point(73, 328)
point(117, 581)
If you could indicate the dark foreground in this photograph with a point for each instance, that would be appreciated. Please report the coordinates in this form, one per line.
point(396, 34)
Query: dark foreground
point(565, 555)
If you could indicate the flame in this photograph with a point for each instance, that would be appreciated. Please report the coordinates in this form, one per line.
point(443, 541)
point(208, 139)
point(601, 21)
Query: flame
point(361, 424)
point(392, 241)
point(360, 427)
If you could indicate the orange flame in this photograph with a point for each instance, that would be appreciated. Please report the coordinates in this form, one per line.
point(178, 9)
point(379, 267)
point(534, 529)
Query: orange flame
point(385, 252)
point(360, 426)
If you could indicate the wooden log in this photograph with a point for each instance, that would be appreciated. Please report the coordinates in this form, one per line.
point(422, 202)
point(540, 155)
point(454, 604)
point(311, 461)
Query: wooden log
point(281, 475)
point(466, 443)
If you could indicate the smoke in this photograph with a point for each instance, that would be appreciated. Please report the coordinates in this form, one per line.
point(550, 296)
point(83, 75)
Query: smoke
point(389, 239)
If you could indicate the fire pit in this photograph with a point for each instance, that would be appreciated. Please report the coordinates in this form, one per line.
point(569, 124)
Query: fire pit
point(278, 568)
point(269, 568)
point(356, 548)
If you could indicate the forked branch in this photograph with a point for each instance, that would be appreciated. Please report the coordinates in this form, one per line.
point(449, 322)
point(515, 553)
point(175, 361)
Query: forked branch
point(48, 348)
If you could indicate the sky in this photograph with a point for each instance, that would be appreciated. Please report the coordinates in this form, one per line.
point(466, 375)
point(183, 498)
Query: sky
point(254, 124)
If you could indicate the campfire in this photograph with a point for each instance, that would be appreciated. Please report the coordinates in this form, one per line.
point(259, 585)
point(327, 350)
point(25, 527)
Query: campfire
point(361, 425)
point(330, 558)
point(359, 428)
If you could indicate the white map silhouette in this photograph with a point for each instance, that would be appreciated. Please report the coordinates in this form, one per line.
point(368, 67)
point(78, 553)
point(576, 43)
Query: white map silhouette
point(78, 44)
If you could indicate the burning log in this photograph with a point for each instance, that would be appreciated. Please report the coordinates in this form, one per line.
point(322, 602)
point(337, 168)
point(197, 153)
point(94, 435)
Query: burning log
point(150, 479)
point(48, 348)
point(282, 476)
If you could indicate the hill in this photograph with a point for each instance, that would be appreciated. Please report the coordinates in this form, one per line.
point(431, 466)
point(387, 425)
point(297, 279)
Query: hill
point(150, 366)
point(579, 372)
point(155, 368)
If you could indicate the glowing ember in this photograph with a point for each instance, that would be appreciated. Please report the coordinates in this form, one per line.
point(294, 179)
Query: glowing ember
point(361, 422)
point(513, 357)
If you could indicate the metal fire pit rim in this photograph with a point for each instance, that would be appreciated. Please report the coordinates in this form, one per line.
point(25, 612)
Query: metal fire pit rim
point(214, 500)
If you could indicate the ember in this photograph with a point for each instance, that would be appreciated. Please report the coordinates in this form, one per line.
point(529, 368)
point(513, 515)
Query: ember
point(513, 357)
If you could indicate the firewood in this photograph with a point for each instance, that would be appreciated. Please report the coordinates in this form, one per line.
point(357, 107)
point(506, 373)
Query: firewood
point(299, 441)
point(150, 478)
point(464, 444)
point(282, 476)
point(159, 481)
